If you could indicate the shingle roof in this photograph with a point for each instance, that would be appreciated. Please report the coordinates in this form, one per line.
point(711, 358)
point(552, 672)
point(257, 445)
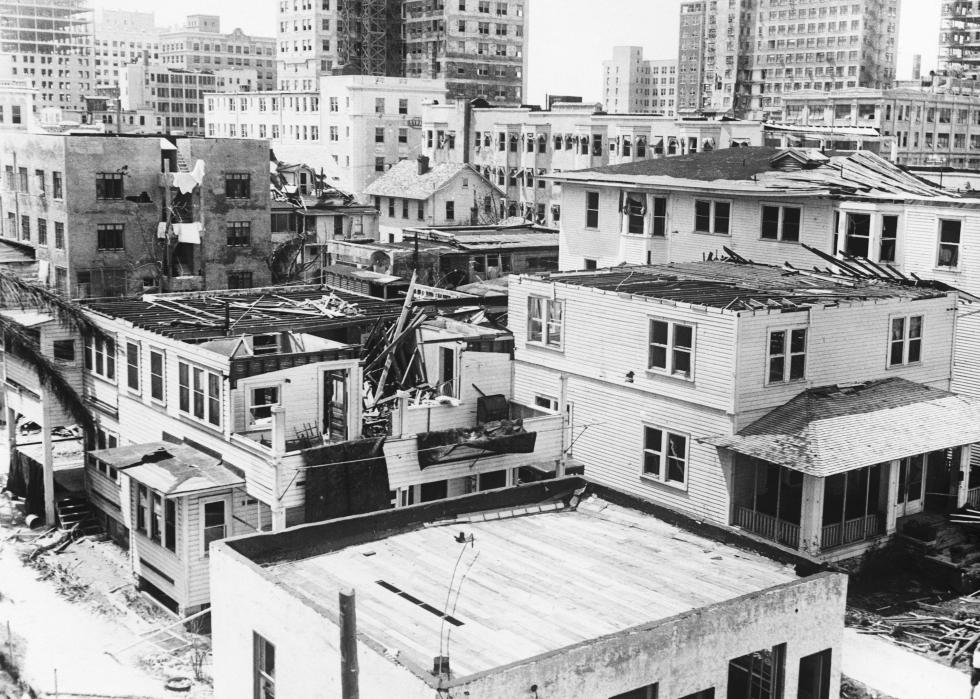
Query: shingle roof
point(833, 429)
point(404, 181)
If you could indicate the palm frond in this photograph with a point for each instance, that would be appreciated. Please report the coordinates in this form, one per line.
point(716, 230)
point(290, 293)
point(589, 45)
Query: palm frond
point(15, 291)
point(20, 344)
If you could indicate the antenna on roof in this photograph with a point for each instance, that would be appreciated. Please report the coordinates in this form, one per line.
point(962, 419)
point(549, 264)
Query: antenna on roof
point(441, 665)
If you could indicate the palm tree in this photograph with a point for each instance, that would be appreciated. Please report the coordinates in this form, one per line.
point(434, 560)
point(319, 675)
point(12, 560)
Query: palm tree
point(17, 292)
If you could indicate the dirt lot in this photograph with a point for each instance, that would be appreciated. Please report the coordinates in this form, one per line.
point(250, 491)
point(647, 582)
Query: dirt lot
point(87, 592)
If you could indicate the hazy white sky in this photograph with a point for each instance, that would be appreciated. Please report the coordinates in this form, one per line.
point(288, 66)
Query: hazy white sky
point(568, 38)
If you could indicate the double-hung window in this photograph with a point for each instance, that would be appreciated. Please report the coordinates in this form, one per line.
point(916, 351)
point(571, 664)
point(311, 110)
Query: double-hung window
point(671, 348)
point(133, 366)
point(857, 240)
point(949, 243)
point(199, 393)
point(100, 357)
point(712, 216)
point(787, 355)
point(591, 209)
point(665, 456)
point(545, 321)
point(781, 223)
point(262, 400)
point(905, 340)
point(658, 225)
point(635, 211)
point(156, 375)
point(264, 677)
point(889, 239)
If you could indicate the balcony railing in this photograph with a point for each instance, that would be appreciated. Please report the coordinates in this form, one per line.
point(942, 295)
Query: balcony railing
point(851, 530)
point(973, 497)
point(768, 527)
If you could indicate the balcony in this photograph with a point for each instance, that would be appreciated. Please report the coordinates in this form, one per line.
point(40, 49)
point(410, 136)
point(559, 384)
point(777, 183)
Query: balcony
point(768, 527)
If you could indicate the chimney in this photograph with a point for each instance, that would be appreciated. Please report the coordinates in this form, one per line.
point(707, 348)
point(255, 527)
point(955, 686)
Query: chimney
point(423, 164)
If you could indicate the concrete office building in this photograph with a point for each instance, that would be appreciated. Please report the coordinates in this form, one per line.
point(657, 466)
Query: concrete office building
point(48, 43)
point(741, 58)
point(121, 37)
point(959, 38)
point(633, 85)
point(200, 45)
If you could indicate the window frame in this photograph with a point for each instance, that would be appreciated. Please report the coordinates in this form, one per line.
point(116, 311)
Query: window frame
point(663, 456)
point(103, 190)
point(238, 185)
point(161, 377)
point(713, 216)
point(100, 357)
point(195, 385)
point(787, 354)
point(103, 232)
point(238, 234)
point(133, 378)
point(939, 244)
point(263, 682)
point(251, 405)
point(590, 212)
point(546, 322)
point(780, 236)
point(226, 505)
point(670, 348)
point(906, 340)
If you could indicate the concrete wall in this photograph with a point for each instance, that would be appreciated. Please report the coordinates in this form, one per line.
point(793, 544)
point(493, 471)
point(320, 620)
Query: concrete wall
point(686, 653)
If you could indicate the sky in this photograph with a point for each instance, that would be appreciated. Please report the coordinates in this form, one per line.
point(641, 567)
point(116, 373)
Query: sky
point(568, 39)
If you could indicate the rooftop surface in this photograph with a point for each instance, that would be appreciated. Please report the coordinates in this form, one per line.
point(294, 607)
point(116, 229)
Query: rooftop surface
point(526, 585)
point(765, 169)
point(404, 181)
point(206, 315)
point(741, 286)
point(833, 429)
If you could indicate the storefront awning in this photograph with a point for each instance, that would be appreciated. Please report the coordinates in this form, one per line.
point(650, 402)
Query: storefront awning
point(175, 470)
point(834, 429)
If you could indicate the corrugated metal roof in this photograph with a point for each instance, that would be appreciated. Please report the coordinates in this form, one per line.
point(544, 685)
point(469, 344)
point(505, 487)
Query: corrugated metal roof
point(833, 429)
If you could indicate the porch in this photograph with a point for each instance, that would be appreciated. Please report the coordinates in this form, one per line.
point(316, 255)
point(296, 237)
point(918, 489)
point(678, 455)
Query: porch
point(824, 501)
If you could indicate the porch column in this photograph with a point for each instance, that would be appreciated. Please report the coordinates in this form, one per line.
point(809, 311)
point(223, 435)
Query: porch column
point(963, 469)
point(811, 515)
point(891, 509)
point(50, 517)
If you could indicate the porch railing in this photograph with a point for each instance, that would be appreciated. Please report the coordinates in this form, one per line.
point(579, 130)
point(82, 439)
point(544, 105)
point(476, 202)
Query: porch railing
point(768, 527)
point(851, 530)
point(973, 497)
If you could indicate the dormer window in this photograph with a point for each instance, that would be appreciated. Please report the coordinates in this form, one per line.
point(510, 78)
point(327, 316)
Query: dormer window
point(265, 344)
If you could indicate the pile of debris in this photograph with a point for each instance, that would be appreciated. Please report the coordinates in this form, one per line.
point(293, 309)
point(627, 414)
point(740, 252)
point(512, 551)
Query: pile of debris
point(950, 632)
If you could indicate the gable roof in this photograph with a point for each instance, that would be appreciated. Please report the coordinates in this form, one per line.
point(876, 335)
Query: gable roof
point(403, 180)
point(832, 429)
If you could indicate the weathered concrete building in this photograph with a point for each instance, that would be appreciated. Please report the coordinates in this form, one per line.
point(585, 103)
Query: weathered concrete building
point(106, 219)
point(563, 589)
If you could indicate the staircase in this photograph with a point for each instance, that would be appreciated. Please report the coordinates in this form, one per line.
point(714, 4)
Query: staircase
point(182, 165)
point(74, 510)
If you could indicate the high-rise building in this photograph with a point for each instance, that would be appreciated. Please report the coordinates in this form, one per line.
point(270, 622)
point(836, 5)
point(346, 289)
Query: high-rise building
point(739, 57)
point(959, 38)
point(476, 46)
point(200, 45)
point(48, 44)
point(631, 85)
point(121, 37)
point(317, 38)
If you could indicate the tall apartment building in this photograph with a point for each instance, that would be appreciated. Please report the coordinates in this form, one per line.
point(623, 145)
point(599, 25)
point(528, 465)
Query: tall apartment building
point(740, 58)
point(315, 37)
point(632, 85)
point(959, 37)
point(121, 37)
point(476, 46)
point(48, 43)
point(354, 126)
point(200, 45)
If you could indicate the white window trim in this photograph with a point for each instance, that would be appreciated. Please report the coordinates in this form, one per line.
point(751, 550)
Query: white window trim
point(598, 209)
point(163, 376)
point(779, 233)
point(203, 552)
point(787, 355)
point(959, 245)
point(93, 343)
point(662, 478)
point(545, 319)
point(647, 215)
point(552, 402)
point(668, 371)
point(138, 391)
point(189, 413)
point(713, 202)
point(250, 421)
point(905, 340)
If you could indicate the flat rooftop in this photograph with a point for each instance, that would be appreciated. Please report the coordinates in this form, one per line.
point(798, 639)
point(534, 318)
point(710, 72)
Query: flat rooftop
point(741, 286)
point(534, 580)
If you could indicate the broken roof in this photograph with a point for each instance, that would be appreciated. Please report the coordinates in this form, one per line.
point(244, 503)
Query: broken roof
point(757, 169)
point(740, 286)
point(198, 316)
point(403, 180)
point(174, 470)
point(833, 429)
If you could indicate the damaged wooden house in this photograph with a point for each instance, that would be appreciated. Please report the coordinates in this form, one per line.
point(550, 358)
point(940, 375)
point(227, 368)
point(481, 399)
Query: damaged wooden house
point(809, 409)
point(223, 413)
